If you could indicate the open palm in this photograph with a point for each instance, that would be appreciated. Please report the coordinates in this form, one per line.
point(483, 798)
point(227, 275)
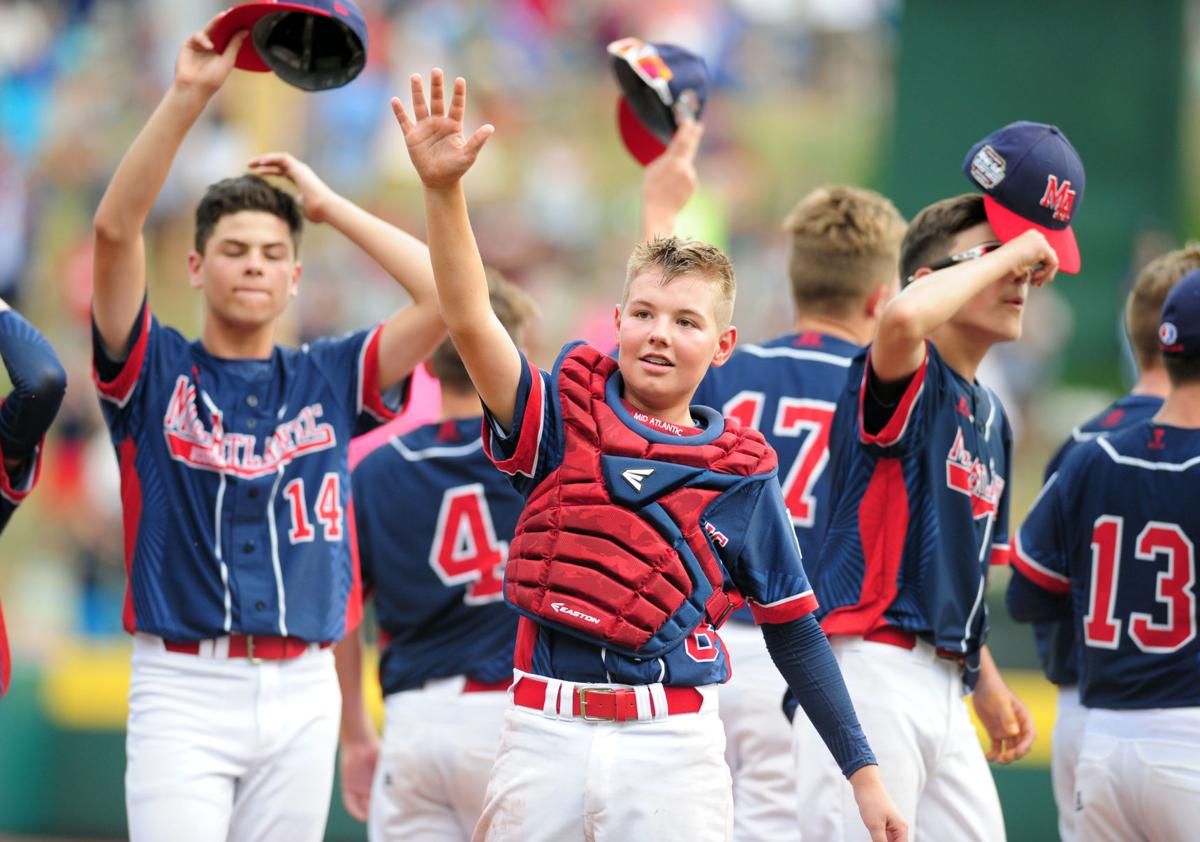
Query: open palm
point(439, 151)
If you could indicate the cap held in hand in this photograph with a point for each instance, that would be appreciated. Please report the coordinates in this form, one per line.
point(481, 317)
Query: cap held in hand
point(1031, 177)
point(311, 44)
point(661, 84)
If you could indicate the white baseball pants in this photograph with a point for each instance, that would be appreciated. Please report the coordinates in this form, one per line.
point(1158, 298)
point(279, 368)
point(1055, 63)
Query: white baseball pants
point(1068, 736)
point(758, 741)
point(911, 706)
point(1138, 776)
point(439, 745)
point(558, 778)
point(225, 749)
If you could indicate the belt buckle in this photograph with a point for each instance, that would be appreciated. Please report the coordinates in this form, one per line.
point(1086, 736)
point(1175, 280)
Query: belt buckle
point(250, 650)
point(583, 697)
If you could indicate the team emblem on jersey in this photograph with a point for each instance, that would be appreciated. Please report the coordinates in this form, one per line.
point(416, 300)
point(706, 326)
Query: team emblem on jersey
point(190, 442)
point(718, 537)
point(968, 475)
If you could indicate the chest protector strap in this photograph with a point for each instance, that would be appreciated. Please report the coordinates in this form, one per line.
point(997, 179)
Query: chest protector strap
point(611, 546)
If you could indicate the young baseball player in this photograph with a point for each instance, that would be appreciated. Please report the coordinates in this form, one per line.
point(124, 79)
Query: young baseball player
point(447, 638)
point(38, 382)
point(844, 250)
point(234, 483)
point(641, 517)
point(1112, 539)
point(920, 464)
point(1057, 646)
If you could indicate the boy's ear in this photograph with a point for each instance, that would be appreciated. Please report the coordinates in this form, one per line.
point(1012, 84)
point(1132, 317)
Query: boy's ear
point(295, 286)
point(617, 321)
point(195, 261)
point(725, 345)
point(878, 298)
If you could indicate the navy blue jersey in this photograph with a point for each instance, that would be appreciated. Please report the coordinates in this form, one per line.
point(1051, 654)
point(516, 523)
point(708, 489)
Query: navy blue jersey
point(25, 414)
point(1055, 640)
point(434, 520)
point(234, 479)
point(750, 532)
point(1117, 528)
point(788, 390)
point(919, 508)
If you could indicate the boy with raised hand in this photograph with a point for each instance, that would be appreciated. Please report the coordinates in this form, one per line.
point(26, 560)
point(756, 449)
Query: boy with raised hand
point(843, 252)
point(234, 483)
point(642, 514)
point(920, 455)
point(446, 636)
point(1058, 647)
point(25, 415)
point(1111, 543)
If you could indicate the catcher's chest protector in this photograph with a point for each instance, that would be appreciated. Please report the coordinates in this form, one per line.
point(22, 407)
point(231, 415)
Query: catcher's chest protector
point(611, 546)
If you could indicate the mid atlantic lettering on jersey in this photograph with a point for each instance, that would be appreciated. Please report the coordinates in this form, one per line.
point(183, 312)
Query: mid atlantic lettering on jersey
point(1117, 528)
point(1055, 641)
point(907, 499)
point(758, 552)
point(235, 480)
point(437, 571)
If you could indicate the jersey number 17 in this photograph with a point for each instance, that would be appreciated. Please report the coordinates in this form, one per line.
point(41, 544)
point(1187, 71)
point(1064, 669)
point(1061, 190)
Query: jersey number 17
point(795, 417)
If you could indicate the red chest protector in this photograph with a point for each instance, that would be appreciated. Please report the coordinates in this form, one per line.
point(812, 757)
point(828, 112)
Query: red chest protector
point(611, 546)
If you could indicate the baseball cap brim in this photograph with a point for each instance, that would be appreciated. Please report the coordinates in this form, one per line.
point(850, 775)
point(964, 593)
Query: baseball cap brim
point(640, 141)
point(244, 17)
point(1009, 225)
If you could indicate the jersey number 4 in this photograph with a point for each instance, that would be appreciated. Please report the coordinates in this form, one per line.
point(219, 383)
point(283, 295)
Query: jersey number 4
point(465, 550)
point(1173, 587)
point(794, 418)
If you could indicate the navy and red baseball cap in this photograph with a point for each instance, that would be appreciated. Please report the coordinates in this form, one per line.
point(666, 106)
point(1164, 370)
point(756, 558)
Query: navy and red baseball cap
point(659, 83)
point(312, 44)
point(1179, 327)
point(1031, 177)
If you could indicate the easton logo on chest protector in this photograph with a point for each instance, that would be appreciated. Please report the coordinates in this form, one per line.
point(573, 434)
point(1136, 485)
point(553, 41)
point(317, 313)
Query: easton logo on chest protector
point(215, 449)
point(968, 475)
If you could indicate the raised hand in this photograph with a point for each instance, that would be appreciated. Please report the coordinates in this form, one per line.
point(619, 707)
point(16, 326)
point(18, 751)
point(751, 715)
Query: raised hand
point(670, 180)
point(315, 194)
point(440, 153)
point(200, 66)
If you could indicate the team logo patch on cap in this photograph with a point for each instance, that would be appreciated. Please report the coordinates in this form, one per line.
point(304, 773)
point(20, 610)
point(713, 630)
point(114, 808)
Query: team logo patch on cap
point(988, 168)
point(1059, 198)
point(1168, 334)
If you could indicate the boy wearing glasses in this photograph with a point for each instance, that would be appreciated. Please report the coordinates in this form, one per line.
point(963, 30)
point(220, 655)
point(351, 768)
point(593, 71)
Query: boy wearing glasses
point(920, 465)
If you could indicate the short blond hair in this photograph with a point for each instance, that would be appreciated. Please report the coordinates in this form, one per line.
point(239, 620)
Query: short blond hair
point(512, 306)
point(674, 256)
point(845, 243)
point(1143, 307)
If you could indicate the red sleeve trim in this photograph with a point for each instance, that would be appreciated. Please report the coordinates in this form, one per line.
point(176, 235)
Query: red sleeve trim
point(1001, 555)
point(784, 610)
point(354, 601)
point(525, 457)
point(1039, 574)
point(370, 398)
point(120, 387)
point(16, 495)
point(893, 431)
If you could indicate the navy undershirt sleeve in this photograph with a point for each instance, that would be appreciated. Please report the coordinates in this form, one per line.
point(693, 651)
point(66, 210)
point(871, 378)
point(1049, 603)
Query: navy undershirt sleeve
point(802, 654)
point(39, 382)
point(1027, 603)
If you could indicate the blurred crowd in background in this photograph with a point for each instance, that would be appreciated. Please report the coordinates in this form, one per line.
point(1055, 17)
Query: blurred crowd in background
point(802, 95)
